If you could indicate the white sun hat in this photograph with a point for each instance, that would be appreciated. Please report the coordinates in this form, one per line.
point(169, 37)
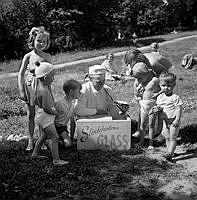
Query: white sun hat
point(97, 69)
point(43, 69)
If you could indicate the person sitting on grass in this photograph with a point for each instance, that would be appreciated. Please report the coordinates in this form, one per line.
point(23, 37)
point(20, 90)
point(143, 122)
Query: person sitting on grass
point(171, 105)
point(46, 112)
point(155, 47)
point(146, 92)
point(66, 110)
point(111, 74)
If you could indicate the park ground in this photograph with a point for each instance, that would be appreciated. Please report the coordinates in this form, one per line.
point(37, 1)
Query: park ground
point(106, 175)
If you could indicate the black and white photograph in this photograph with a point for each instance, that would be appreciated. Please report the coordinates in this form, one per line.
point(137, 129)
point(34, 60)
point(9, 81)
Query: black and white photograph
point(98, 99)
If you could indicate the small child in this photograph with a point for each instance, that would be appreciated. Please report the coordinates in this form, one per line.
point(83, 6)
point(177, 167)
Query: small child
point(46, 112)
point(111, 74)
point(66, 109)
point(154, 47)
point(172, 110)
point(38, 42)
point(146, 89)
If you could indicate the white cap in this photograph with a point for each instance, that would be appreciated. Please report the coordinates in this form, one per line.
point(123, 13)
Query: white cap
point(96, 69)
point(43, 69)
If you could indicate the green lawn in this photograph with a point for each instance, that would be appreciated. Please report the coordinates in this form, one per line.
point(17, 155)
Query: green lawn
point(93, 175)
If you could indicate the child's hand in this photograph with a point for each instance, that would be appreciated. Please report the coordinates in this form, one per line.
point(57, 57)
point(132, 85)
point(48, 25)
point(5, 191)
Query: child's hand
point(137, 98)
point(140, 88)
point(155, 110)
point(175, 123)
point(155, 96)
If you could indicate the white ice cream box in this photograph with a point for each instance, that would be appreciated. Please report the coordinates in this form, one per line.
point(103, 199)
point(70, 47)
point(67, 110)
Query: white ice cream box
point(103, 133)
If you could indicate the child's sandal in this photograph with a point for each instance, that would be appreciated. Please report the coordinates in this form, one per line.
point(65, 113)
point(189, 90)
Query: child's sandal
point(60, 162)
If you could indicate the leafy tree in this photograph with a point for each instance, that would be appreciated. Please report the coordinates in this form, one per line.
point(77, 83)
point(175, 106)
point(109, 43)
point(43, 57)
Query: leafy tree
point(75, 24)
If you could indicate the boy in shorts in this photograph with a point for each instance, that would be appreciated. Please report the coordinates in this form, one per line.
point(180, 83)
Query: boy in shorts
point(66, 110)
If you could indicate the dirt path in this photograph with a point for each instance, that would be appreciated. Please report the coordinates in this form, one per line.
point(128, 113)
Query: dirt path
point(184, 188)
point(102, 57)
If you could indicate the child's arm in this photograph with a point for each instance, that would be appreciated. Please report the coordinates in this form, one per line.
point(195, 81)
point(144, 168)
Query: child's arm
point(155, 88)
point(48, 103)
point(21, 75)
point(137, 90)
point(72, 128)
point(155, 95)
point(178, 112)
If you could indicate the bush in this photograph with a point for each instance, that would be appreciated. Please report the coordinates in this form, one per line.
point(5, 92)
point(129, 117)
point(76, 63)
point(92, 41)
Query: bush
point(10, 104)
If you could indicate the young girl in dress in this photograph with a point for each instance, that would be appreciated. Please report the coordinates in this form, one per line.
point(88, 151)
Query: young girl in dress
point(38, 41)
point(46, 112)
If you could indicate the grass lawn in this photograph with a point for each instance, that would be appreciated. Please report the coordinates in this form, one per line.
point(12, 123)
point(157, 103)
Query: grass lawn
point(123, 45)
point(93, 175)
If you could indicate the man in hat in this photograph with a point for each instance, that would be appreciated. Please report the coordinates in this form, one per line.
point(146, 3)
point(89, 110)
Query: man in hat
point(96, 97)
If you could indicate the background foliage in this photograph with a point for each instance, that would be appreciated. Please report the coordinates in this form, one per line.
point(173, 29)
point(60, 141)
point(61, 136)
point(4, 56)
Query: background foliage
point(83, 24)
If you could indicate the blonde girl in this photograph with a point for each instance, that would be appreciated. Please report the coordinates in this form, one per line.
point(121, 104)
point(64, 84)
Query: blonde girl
point(38, 42)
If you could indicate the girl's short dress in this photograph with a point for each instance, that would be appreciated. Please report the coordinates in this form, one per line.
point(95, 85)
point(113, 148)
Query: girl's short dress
point(30, 85)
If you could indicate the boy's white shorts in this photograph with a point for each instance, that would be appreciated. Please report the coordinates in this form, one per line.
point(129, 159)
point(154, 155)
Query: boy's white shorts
point(43, 119)
point(147, 105)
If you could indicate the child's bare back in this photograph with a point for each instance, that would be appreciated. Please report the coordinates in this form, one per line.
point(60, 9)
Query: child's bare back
point(151, 89)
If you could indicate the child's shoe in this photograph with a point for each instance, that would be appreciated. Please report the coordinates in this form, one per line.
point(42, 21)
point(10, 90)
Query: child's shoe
point(60, 162)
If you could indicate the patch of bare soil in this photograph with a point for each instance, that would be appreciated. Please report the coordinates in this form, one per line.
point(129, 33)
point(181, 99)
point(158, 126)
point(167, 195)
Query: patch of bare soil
point(184, 186)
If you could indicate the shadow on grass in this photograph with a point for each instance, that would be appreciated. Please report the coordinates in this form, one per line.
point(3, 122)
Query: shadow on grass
point(187, 155)
point(89, 175)
point(188, 134)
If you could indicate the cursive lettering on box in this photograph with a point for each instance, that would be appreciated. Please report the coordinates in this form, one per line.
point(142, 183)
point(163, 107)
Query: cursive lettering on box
point(87, 131)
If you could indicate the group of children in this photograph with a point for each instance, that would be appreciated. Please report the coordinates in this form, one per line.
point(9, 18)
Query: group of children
point(52, 117)
point(35, 89)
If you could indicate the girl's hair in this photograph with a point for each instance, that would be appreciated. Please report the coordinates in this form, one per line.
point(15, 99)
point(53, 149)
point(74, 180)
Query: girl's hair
point(71, 85)
point(168, 77)
point(32, 36)
point(136, 55)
